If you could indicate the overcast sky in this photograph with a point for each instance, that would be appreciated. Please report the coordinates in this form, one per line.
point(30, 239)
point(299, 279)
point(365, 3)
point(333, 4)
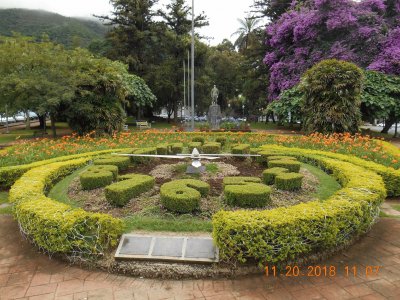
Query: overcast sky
point(222, 14)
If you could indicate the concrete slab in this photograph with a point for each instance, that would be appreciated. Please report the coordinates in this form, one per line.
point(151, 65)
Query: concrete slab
point(166, 248)
point(200, 248)
point(136, 245)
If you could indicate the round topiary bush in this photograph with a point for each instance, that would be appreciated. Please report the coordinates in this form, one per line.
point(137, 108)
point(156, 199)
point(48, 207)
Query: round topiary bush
point(291, 165)
point(177, 148)
point(91, 180)
point(289, 181)
point(332, 97)
point(221, 140)
point(121, 162)
point(212, 147)
point(270, 174)
point(183, 196)
point(197, 145)
point(162, 149)
point(199, 139)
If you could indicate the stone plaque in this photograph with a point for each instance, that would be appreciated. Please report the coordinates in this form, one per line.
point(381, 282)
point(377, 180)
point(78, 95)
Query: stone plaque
point(136, 245)
point(200, 248)
point(168, 247)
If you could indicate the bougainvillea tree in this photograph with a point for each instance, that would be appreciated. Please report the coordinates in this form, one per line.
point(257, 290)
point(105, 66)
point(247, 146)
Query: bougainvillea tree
point(364, 32)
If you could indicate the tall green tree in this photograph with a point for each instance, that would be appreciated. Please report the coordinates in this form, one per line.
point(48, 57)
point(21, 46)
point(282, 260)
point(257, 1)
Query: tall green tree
point(245, 32)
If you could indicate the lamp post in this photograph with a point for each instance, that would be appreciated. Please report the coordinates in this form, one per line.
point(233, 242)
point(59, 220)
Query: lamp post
point(192, 71)
point(7, 131)
point(243, 110)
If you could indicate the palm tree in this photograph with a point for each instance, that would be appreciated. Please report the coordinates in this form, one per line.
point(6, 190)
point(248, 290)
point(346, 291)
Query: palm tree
point(245, 32)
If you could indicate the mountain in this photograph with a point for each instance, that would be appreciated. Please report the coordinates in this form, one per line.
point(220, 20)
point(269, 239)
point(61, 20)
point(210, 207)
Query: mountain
point(63, 30)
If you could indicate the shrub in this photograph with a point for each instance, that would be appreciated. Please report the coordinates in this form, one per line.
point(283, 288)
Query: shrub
point(270, 174)
point(146, 151)
point(122, 162)
point(332, 97)
point(197, 145)
point(280, 157)
point(91, 180)
point(199, 139)
point(288, 233)
point(162, 149)
point(177, 148)
point(390, 176)
point(221, 140)
point(212, 147)
point(56, 227)
point(241, 149)
point(183, 196)
point(289, 181)
point(246, 192)
point(291, 165)
point(119, 194)
point(8, 175)
point(109, 168)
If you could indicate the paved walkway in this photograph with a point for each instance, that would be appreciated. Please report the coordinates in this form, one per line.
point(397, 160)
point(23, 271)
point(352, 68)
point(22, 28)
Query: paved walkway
point(26, 274)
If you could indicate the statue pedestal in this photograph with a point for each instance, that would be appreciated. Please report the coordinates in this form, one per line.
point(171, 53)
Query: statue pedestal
point(214, 116)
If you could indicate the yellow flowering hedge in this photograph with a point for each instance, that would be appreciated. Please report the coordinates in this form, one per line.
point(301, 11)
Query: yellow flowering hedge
point(288, 233)
point(8, 175)
point(390, 176)
point(56, 227)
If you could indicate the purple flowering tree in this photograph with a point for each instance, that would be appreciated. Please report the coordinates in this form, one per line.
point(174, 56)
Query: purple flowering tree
point(366, 33)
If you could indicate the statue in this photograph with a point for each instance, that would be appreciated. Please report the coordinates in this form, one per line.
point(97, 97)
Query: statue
point(214, 112)
point(214, 95)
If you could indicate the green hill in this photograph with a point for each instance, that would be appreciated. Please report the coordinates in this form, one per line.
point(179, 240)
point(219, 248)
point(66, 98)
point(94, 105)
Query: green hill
point(60, 29)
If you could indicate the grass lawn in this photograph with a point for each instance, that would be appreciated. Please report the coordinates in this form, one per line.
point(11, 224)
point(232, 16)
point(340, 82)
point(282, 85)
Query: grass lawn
point(396, 207)
point(327, 184)
point(15, 134)
point(60, 191)
point(3, 200)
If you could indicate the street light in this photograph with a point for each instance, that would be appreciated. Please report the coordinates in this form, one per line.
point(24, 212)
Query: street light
point(7, 131)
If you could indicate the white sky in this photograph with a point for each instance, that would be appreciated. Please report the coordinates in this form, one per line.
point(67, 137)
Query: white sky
point(222, 14)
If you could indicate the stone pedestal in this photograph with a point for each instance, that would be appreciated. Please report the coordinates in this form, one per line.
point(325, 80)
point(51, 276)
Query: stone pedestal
point(214, 116)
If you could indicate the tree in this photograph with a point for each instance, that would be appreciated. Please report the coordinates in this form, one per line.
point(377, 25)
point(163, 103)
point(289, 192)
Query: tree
point(318, 30)
point(332, 97)
point(48, 79)
point(381, 98)
point(245, 32)
point(134, 34)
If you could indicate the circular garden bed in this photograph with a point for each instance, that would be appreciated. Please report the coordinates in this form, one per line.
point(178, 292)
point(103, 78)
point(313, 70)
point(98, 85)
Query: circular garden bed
point(251, 220)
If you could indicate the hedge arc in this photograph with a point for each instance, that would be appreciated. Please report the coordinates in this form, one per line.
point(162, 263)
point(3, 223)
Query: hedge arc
point(283, 234)
point(56, 227)
point(8, 175)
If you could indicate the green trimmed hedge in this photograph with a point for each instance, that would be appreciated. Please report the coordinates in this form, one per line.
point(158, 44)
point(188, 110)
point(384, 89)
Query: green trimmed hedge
point(199, 139)
point(241, 149)
point(212, 148)
point(109, 168)
point(162, 149)
point(390, 176)
point(197, 145)
point(291, 165)
point(183, 196)
point(147, 151)
point(8, 175)
point(270, 174)
point(281, 157)
point(91, 180)
point(288, 233)
point(177, 148)
point(56, 227)
point(119, 194)
point(246, 192)
point(221, 140)
point(122, 162)
point(289, 181)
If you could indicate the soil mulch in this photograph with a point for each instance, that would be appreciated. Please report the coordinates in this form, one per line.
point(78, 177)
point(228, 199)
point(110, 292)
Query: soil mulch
point(150, 204)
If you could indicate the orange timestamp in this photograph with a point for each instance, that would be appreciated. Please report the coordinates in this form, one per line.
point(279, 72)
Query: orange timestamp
point(322, 271)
